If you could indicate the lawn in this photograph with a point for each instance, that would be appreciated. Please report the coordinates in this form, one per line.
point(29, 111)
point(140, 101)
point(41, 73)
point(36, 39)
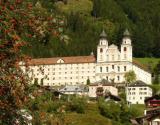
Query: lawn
point(148, 61)
point(90, 117)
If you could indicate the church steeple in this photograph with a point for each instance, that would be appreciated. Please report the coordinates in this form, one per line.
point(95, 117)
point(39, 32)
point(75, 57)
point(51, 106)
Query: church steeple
point(126, 47)
point(102, 47)
point(126, 33)
point(103, 34)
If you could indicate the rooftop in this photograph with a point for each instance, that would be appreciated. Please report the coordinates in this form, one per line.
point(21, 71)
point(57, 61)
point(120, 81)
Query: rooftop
point(103, 34)
point(126, 33)
point(65, 60)
point(138, 84)
point(72, 88)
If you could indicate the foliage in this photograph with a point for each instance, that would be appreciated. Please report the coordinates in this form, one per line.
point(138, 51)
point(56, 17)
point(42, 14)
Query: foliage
point(88, 81)
point(120, 113)
point(77, 104)
point(130, 76)
point(112, 114)
point(19, 22)
point(157, 74)
point(149, 62)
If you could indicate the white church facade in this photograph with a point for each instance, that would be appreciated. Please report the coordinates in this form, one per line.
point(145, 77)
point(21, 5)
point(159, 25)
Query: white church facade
point(111, 64)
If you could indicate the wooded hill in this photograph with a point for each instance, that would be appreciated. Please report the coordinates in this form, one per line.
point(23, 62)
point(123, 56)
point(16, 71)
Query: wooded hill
point(85, 19)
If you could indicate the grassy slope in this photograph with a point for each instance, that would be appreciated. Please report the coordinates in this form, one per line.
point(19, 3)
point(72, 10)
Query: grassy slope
point(140, 108)
point(148, 61)
point(84, 6)
point(91, 117)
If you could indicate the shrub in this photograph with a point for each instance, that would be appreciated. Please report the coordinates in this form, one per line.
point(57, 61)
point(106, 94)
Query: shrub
point(77, 105)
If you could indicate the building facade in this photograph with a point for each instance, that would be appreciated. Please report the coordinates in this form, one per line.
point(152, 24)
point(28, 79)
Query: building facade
point(111, 64)
point(105, 87)
point(137, 92)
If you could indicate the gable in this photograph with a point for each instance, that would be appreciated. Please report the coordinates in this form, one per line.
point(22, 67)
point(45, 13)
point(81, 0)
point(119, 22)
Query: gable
point(60, 61)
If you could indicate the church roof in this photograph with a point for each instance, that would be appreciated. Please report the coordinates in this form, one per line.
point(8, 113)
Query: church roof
point(126, 33)
point(66, 60)
point(103, 34)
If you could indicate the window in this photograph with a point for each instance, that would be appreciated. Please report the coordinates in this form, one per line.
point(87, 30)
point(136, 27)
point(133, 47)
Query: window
point(106, 69)
point(118, 78)
point(107, 78)
point(112, 66)
point(100, 69)
point(125, 49)
point(101, 50)
point(133, 93)
point(118, 69)
point(125, 68)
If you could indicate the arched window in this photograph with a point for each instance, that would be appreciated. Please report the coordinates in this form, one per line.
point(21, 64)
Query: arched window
point(125, 49)
point(101, 50)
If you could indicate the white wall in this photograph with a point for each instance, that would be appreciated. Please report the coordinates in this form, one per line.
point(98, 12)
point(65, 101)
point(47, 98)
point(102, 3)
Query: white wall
point(137, 95)
point(142, 75)
point(61, 74)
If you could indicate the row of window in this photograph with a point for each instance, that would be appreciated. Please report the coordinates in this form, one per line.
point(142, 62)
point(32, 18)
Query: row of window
point(77, 77)
point(140, 93)
point(135, 88)
point(59, 73)
point(116, 78)
point(124, 49)
point(113, 67)
point(134, 98)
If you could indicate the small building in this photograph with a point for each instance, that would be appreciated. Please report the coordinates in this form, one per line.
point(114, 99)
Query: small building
point(100, 88)
point(74, 90)
point(109, 96)
point(151, 117)
point(137, 92)
point(153, 101)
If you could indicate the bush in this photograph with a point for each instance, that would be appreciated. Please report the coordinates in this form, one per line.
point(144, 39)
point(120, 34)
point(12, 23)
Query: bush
point(105, 110)
point(77, 105)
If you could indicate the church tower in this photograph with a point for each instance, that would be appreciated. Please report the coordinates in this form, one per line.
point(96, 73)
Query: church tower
point(126, 47)
point(102, 47)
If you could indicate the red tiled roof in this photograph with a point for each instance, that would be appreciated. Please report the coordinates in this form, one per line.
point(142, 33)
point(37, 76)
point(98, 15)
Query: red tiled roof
point(70, 60)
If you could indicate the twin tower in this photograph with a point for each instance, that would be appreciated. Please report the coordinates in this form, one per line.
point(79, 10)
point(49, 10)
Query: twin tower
point(111, 53)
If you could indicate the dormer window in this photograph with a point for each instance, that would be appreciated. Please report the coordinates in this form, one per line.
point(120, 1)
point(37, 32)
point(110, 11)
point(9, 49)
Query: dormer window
point(101, 50)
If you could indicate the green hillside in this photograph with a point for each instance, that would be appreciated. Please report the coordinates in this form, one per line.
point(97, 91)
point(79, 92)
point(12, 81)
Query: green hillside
point(85, 19)
point(148, 61)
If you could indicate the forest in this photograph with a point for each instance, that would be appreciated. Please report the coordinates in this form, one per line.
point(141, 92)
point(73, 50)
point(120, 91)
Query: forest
point(81, 21)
